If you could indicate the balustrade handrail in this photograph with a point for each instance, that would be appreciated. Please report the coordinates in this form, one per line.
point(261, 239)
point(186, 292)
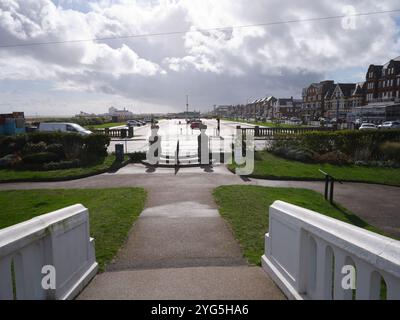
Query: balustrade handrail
point(115, 133)
point(59, 239)
point(302, 245)
point(263, 132)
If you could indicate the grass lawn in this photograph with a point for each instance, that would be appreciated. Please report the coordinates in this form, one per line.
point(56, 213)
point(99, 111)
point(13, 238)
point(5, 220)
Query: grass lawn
point(246, 210)
point(270, 166)
point(107, 125)
point(112, 212)
point(64, 174)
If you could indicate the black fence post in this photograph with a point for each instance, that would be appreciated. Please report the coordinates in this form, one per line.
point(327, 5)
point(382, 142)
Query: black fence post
point(119, 152)
point(244, 146)
point(326, 186)
point(123, 133)
point(329, 180)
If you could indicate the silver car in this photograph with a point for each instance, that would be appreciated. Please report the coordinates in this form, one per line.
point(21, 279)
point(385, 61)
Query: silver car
point(368, 126)
point(390, 125)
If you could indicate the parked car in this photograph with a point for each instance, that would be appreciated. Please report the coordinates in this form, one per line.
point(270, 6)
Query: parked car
point(390, 125)
point(368, 126)
point(195, 124)
point(31, 128)
point(134, 123)
point(63, 127)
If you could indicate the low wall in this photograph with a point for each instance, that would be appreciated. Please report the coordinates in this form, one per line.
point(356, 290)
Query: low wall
point(59, 239)
point(305, 253)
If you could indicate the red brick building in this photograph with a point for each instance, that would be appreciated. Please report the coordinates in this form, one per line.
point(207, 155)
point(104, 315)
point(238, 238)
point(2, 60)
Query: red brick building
point(383, 82)
point(313, 106)
point(382, 93)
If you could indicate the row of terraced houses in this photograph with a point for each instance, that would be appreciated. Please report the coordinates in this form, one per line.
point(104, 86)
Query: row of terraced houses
point(377, 99)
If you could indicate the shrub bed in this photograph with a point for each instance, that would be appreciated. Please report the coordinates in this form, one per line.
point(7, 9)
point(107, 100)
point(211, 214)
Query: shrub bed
point(51, 150)
point(340, 147)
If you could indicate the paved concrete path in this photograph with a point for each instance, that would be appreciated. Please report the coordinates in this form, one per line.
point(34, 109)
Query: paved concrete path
point(180, 247)
point(200, 283)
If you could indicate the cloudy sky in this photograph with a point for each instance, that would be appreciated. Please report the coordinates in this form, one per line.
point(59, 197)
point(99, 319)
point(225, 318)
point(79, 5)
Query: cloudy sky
point(154, 73)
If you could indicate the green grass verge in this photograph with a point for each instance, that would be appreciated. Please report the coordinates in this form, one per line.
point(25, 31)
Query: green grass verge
point(8, 175)
point(246, 210)
point(111, 212)
point(270, 166)
point(106, 125)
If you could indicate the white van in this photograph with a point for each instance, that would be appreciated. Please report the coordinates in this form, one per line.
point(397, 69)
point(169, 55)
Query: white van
point(63, 127)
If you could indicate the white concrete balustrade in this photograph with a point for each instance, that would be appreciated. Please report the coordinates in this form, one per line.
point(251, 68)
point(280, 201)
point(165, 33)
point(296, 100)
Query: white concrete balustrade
point(306, 251)
point(59, 239)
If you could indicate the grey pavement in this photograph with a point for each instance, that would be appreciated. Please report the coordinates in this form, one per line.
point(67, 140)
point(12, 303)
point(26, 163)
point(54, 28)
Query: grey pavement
point(174, 130)
point(180, 231)
point(200, 283)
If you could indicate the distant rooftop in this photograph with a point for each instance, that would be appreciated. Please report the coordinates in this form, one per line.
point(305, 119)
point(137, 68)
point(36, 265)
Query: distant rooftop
point(387, 63)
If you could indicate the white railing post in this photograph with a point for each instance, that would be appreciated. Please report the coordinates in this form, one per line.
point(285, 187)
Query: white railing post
point(6, 286)
point(324, 271)
point(393, 288)
point(303, 262)
point(338, 292)
point(367, 284)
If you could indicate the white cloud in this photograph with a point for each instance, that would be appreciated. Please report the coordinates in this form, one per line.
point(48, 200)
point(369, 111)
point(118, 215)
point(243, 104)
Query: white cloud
point(216, 66)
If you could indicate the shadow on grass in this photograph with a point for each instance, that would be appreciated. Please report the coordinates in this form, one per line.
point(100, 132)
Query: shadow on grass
point(115, 166)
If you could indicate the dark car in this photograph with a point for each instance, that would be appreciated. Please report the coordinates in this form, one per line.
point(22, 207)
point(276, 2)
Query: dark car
point(195, 124)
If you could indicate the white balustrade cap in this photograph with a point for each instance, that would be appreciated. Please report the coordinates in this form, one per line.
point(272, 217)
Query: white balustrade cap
point(17, 236)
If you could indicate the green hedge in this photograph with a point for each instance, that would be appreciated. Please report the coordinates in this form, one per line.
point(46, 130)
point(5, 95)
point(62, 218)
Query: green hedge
point(356, 144)
point(390, 150)
point(40, 148)
point(40, 158)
